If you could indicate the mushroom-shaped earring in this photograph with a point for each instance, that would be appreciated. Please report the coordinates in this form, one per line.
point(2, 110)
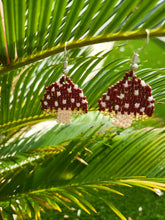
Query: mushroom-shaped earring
point(128, 99)
point(64, 98)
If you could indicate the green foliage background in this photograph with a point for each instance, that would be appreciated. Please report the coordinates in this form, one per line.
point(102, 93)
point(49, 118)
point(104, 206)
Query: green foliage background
point(77, 163)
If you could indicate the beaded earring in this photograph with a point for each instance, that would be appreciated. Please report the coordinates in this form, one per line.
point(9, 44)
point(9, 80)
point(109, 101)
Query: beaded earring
point(64, 97)
point(130, 98)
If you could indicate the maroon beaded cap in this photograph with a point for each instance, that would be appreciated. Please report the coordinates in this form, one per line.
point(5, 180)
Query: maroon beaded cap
point(64, 95)
point(128, 96)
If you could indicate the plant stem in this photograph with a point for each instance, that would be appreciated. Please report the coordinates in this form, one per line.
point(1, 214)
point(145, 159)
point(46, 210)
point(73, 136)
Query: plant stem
point(81, 43)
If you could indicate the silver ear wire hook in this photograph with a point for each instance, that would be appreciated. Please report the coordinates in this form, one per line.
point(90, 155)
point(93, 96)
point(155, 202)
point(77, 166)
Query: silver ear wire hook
point(65, 66)
point(134, 64)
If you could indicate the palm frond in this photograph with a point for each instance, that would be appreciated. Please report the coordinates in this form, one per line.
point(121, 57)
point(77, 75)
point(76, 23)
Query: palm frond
point(22, 90)
point(66, 164)
point(113, 160)
point(23, 100)
point(31, 29)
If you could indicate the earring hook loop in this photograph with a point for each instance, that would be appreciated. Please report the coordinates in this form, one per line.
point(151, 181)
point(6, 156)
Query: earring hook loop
point(65, 66)
point(147, 41)
point(134, 64)
point(65, 50)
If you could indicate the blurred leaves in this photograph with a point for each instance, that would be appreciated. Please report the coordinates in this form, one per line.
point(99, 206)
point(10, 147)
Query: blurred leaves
point(61, 165)
point(113, 158)
point(33, 33)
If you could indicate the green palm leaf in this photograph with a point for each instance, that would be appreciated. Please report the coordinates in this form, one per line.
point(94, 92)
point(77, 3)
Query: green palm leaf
point(64, 165)
point(47, 30)
point(20, 102)
point(22, 90)
point(68, 178)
